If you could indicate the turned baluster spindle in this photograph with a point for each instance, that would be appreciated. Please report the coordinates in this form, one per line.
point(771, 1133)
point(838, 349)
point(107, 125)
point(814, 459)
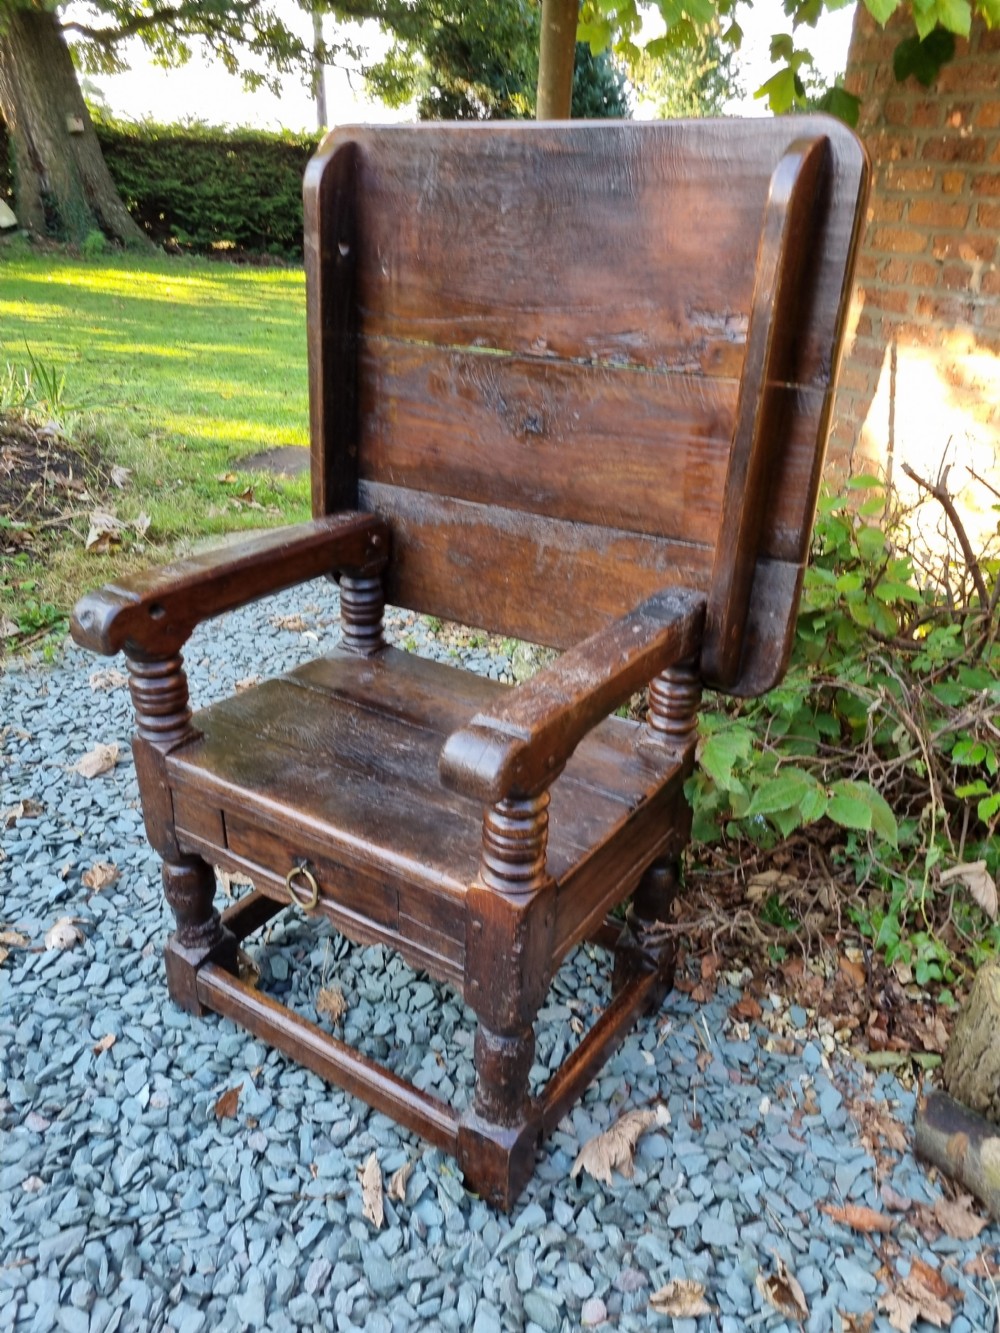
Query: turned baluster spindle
point(674, 696)
point(515, 835)
point(503, 1063)
point(189, 888)
point(362, 603)
point(159, 691)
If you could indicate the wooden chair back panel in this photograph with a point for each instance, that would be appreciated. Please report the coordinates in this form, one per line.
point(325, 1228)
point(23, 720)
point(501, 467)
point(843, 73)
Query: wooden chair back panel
point(551, 438)
point(587, 242)
point(549, 579)
point(525, 352)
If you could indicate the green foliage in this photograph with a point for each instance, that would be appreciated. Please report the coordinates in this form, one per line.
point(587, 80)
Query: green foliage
point(34, 617)
point(205, 188)
point(922, 58)
point(696, 77)
point(37, 387)
point(617, 24)
point(94, 245)
point(882, 744)
point(479, 61)
point(249, 37)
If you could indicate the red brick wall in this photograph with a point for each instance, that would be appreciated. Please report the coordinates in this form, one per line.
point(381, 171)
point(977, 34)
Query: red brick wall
point(923, 357)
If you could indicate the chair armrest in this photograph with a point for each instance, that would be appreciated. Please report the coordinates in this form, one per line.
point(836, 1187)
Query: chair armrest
point(521, 745)
point(154, 612)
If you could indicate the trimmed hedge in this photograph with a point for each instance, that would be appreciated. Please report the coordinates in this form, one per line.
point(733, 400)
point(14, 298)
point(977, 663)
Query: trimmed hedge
point(207, 188)
point(204, 188)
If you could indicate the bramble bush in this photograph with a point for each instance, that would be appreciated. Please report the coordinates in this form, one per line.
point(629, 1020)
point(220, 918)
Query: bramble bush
point(880, 749)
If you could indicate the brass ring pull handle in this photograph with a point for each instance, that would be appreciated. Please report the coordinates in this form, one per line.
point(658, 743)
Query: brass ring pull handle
point(304, 895)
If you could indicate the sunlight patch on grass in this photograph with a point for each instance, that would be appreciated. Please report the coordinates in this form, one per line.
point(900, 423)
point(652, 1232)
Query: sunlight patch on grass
point(176, 368)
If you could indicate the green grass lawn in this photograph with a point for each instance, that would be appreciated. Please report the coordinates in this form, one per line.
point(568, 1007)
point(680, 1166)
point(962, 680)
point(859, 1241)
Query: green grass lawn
point(174, 368)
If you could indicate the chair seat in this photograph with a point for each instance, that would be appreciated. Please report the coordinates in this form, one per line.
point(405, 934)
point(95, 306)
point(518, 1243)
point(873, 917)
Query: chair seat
point(336, 765)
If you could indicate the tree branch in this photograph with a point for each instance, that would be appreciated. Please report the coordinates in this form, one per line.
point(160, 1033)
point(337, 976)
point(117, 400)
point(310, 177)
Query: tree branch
point(940, 493)
point(190, 12)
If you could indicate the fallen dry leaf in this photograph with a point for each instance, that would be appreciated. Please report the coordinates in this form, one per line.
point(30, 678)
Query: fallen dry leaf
point(856, 1323)
point(141, 524)
point(781, 1289)
point(397, 1183)
point(101, 759)
point(105, 532)
point(980, 883)
point(227, 478)
point(120, 476)
point(32, 1184)
point(105, 1044)
point(932, 1279)
point(330, 1001)
point(295, 623)
point(858, 1217)
point(912, 1300)
point(681, 1298)
point(615, 1148)
point(371, 1191)
point(14, 938)
point(957, 1218)
point(9, 629)
point(747, 1008)
point(108, 678)
point(226, 1104)
point(4, 955)
point(23, 810)
point(63, 934)
point(767, 882)
point(248, 969)
point(228, 881)
point(853, 971)
point(99, 876)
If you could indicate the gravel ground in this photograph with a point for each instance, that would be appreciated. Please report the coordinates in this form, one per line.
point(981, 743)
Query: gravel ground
point(126, 1203)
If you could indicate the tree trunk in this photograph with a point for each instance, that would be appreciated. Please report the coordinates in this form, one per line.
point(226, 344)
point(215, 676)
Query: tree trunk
point(61, 182)
point(556, 57)
point(972, 1062)
point(318, 72)
point(961, 1144)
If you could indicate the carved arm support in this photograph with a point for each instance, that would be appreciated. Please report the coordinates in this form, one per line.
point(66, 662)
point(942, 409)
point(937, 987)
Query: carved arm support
point(519, 747)
point(152, 614)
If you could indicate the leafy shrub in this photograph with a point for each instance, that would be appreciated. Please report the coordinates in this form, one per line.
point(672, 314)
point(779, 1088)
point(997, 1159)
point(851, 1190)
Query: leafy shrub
point(881, 747)
point(94, 245)
point(204, 188)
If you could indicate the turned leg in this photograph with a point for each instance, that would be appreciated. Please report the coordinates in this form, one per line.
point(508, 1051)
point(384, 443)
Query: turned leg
point(672, 719)
point(163, 722)
point(200, 937)
point(362, 604)
point(508, 966)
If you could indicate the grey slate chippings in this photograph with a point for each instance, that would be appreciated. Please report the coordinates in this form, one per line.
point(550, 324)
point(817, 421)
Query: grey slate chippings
point(126, 1205)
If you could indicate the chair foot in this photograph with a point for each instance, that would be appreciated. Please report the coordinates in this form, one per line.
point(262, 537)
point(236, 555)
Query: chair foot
point(643, 946)
point(200, 937)
point(183, 963)
point(497, 1161)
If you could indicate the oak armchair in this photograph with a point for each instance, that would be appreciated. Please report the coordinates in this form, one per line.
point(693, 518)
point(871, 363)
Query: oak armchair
point(570, 383)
